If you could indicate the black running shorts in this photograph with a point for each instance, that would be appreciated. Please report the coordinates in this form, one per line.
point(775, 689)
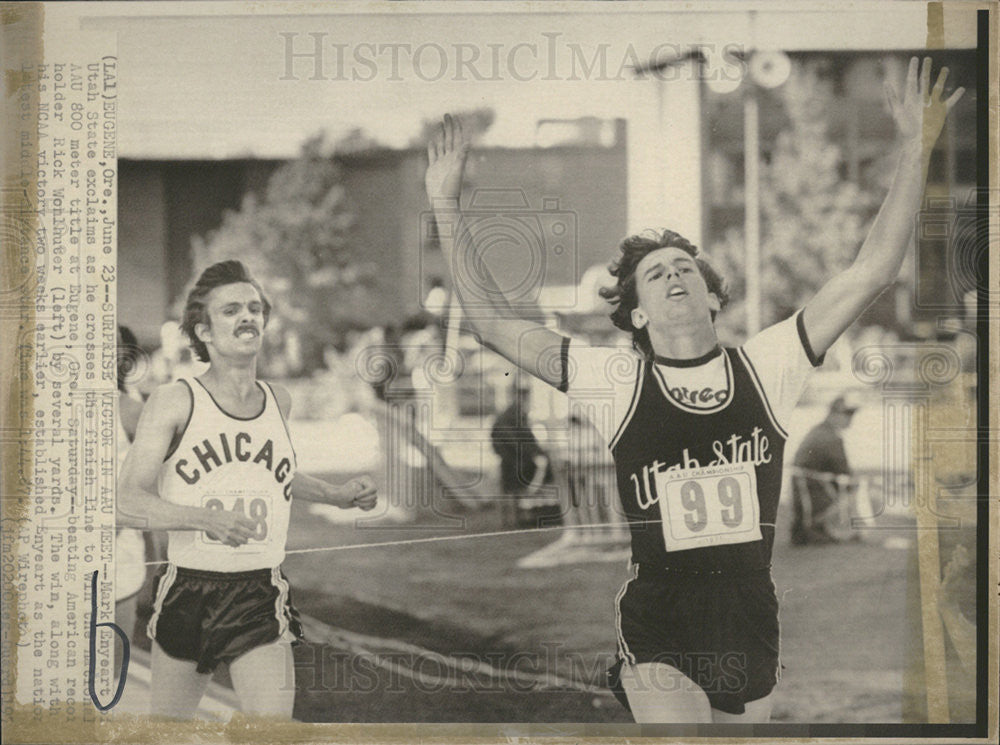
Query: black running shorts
point(213, 617)
point(720, 630)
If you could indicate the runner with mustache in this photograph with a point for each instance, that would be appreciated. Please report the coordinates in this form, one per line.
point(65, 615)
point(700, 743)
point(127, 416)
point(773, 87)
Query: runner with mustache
point(696, 431)
point(212, 463)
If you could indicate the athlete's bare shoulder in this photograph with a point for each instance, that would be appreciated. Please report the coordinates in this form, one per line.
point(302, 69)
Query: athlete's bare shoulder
point(284, 398)
point(129, 411)
point(169, 405)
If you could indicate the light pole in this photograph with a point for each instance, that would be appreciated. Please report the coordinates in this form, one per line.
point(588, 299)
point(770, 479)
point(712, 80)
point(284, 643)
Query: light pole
point(765, 70)
point(751, 208)
point(718, 71)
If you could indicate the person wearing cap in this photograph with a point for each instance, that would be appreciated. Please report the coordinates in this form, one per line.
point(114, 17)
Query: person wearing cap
point(819, 461)
point(524, 466)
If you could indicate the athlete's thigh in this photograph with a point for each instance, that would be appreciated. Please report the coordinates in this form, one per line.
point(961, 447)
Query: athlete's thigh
point(264, 679)
point(660, 693)
point(757, 712)
point(177, 686)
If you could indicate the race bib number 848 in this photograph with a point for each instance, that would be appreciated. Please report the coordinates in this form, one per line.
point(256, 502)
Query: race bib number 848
point(256, 507)
point(710, 506)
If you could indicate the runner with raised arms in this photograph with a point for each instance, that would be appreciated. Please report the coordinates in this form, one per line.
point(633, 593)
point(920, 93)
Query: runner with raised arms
point(697, 431)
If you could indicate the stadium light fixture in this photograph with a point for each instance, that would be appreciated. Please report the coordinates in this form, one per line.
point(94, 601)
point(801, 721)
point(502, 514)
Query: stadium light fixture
point(766, 69)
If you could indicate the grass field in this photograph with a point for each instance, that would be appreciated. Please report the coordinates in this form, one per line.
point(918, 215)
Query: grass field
point(453, 631)
point(851, 643)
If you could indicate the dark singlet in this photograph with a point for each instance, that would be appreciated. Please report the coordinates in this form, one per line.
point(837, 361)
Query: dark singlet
point(701, 488)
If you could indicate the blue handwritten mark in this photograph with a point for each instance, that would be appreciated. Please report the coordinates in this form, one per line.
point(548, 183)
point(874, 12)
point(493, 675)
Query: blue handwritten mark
point(91, 674)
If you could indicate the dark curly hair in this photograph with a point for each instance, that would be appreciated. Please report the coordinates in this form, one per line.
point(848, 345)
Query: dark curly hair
point(195, 310)
point(624, 296)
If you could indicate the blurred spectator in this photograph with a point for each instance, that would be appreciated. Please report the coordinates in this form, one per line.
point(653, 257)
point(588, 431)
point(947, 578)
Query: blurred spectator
point(348, 382)
point(959, 575)
point(130, 547)
point(436, 302)
point(421, 345)
point(393, 360)
point(524, 466)
point(816, 488)
point(172, 360)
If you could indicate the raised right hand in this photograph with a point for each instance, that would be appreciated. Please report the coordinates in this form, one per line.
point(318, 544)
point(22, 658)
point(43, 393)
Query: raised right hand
point(921, 110)
point(446, 155)
point(230, 528)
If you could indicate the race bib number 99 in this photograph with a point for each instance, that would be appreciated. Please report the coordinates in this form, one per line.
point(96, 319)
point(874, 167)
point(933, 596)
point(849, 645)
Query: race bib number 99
point(710, 506)
point(256, 507)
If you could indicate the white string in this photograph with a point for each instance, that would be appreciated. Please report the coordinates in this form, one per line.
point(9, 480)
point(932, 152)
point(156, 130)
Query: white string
point(438, 538)
point(431, 539)
point(464, 536)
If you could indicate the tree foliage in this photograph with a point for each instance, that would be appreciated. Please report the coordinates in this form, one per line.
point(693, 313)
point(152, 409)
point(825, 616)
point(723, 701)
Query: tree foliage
point(813, 219)
point(295, 237)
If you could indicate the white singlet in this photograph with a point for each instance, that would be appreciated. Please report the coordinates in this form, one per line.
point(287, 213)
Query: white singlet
point(225, 462)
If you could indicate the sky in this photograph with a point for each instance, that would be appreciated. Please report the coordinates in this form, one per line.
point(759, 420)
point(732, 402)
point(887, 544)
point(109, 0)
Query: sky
point(217, 80)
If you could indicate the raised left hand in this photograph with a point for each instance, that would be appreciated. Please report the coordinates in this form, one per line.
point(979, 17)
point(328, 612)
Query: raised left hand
point(921, 113)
